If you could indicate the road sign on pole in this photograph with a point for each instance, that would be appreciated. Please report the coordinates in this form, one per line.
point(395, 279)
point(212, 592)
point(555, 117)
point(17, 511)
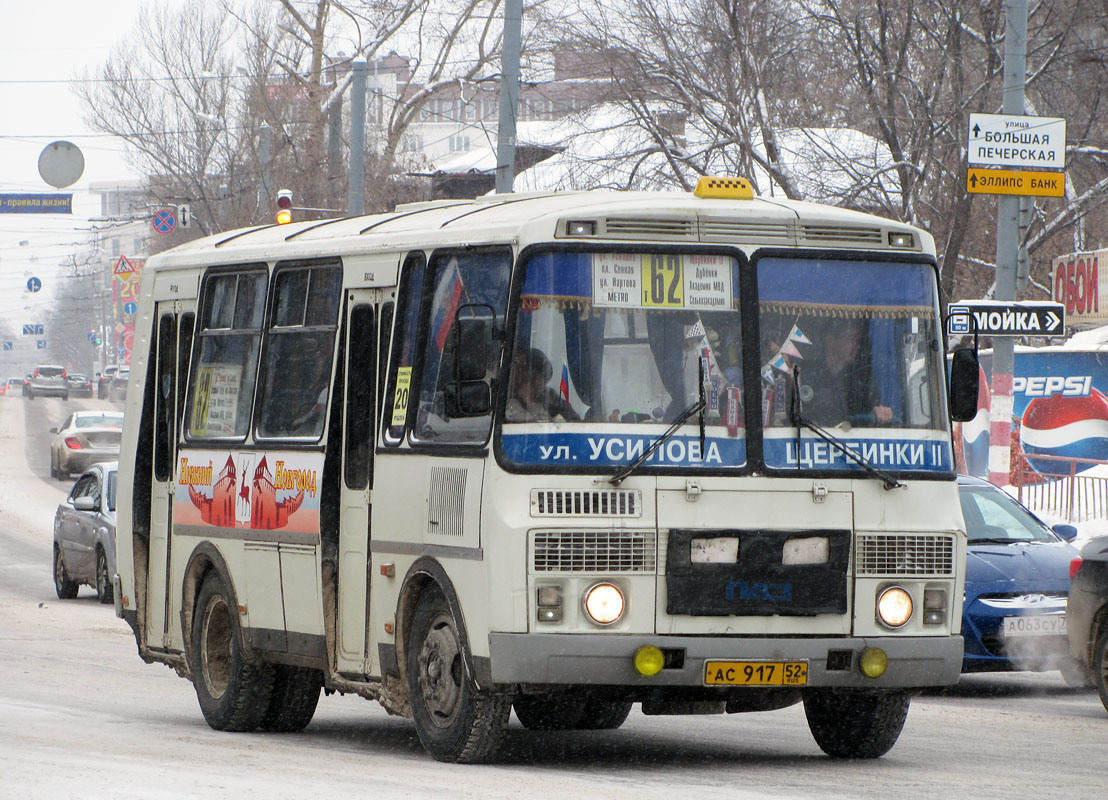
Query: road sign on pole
point(1007, 140)
point(165, 220)
point(33, 284)
point(997, 318)
point(1010, 181)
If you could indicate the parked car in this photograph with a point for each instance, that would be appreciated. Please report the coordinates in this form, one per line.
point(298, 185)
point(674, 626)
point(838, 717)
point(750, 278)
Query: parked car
point(104, 380)
point(1017, 581)
point(79, 385)
point(14, 383)
point(1087, 613)
point(27, 385)
point(48, 380)
point(84, 535)
point(117, 389)
point(83, 439)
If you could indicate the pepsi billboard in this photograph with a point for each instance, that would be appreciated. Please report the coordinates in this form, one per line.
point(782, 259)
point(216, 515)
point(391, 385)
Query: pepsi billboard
point(1059, 408)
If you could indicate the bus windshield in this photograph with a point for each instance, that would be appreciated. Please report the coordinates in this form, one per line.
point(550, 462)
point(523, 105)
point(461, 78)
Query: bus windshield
point(858, 343)
point(613, 347)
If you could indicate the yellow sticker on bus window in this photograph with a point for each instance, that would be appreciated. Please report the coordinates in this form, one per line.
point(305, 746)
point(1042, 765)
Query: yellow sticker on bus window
point(663, 284)
point(400, 396)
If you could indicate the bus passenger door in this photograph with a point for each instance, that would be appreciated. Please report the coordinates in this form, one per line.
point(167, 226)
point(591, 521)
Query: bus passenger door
point(173, 329)
point(365, 320)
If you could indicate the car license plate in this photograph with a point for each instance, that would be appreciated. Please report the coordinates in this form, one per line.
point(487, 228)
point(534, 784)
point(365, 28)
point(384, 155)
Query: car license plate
point(756, 673)
point(1037, 625)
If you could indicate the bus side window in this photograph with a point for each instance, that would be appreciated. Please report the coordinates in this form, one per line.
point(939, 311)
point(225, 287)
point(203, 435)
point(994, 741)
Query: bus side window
point(360, 395)
point(165, 400)
point(222, 389)
point(396, 405)
point(184, 357)
point(470, 287)
point(299, 350)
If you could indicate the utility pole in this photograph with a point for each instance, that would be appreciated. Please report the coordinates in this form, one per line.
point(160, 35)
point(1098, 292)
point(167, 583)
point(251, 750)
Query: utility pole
point(355, 198)
point(509, 97)
point(1007, 251)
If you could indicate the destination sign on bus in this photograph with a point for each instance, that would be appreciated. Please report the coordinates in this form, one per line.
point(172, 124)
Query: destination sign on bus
point(662, 280)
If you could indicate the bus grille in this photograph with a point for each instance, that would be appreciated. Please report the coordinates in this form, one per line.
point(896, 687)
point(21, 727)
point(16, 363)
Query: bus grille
point(904, 555)
point(647, 228)
point(593, 551)
point(586, 503)
point(847, 234)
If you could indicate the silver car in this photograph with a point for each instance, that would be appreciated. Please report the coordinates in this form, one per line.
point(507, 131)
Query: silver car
point(83, 439)
point(84, 535)
point(48, 380)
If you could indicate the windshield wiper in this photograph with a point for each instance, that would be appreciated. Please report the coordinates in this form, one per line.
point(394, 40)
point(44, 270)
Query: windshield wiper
point(800, 421)
point(696, 407)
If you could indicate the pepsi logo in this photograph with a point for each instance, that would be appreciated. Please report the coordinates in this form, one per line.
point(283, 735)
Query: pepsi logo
point(1070, 427)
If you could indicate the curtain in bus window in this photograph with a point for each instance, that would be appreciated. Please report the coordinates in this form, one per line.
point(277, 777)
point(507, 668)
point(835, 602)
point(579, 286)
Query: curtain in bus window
point(222, 389)
point(469, 285)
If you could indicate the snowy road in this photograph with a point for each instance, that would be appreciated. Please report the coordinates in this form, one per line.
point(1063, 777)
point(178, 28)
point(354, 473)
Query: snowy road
point(82, 717)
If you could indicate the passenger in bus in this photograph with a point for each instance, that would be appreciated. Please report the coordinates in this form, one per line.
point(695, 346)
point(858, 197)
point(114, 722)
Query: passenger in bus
point(837, 386)
point(532, 399)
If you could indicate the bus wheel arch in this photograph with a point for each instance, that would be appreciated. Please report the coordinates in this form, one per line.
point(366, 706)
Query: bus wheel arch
point(426, 575)
point(204, 559)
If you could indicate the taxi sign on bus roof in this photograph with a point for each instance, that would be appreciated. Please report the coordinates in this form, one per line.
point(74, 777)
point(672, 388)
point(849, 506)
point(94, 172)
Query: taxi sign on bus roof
point(729, 188)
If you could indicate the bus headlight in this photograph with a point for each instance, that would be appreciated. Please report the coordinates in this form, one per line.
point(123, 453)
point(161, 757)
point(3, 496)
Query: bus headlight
point(894, 607)
point(604, 604)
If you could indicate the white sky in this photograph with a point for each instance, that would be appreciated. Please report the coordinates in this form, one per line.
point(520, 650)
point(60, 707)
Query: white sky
point(44, 44)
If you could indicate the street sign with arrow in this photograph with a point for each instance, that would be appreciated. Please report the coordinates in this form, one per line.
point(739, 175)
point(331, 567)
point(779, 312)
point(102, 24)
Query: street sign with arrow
point(996, 318)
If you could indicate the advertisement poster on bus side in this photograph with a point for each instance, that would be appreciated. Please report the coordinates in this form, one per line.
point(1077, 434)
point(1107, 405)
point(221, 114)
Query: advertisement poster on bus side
point(259, 490)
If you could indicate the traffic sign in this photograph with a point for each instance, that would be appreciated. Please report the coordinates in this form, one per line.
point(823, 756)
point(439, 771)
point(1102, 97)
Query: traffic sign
point(33, 284)
point(165, 220)
point(130, 308)
point(997, 318)
point(1010, 181)
point(33, 329)
point(1006, 140)
point(123, 267)
point(9, 345)
point(41, 344)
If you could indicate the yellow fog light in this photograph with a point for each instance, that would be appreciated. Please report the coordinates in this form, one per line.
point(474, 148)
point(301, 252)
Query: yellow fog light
point(873, 662)
point(649, 660)
point(894, 607)
point(604, 604)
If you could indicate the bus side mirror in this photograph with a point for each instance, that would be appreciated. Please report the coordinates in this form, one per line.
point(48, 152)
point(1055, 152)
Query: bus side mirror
point(470, 399)
point(471, 349)
point(965, 375)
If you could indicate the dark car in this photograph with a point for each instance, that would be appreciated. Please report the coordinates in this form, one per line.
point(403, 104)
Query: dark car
point(1087, 613)
point(84, 535)
point(104, 380)
point(79, 385)
point(27, 384)
point(117, 387)
point(1017, 581)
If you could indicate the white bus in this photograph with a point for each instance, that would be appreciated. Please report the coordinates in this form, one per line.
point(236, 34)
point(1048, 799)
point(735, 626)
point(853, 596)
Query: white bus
point(561, 453)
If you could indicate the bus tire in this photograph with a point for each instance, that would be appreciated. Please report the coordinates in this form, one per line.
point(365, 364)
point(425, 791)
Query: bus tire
point(549, 712)
point(64, 587)
point(456, 722)
point(234, 694)
point(855, 724)
point(295, 697)
point(604, 715)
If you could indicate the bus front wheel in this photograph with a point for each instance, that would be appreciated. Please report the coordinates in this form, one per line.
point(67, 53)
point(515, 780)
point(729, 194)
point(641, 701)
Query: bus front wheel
point(234, 694)
point(456, 721)
point(855, 724)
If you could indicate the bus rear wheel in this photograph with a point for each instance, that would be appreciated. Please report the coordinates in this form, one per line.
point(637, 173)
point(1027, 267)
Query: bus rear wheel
point(234, 694)
point(456, 721)
point(855, 724)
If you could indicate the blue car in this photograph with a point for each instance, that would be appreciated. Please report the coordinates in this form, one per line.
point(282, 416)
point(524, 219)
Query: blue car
point(1017, 582)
